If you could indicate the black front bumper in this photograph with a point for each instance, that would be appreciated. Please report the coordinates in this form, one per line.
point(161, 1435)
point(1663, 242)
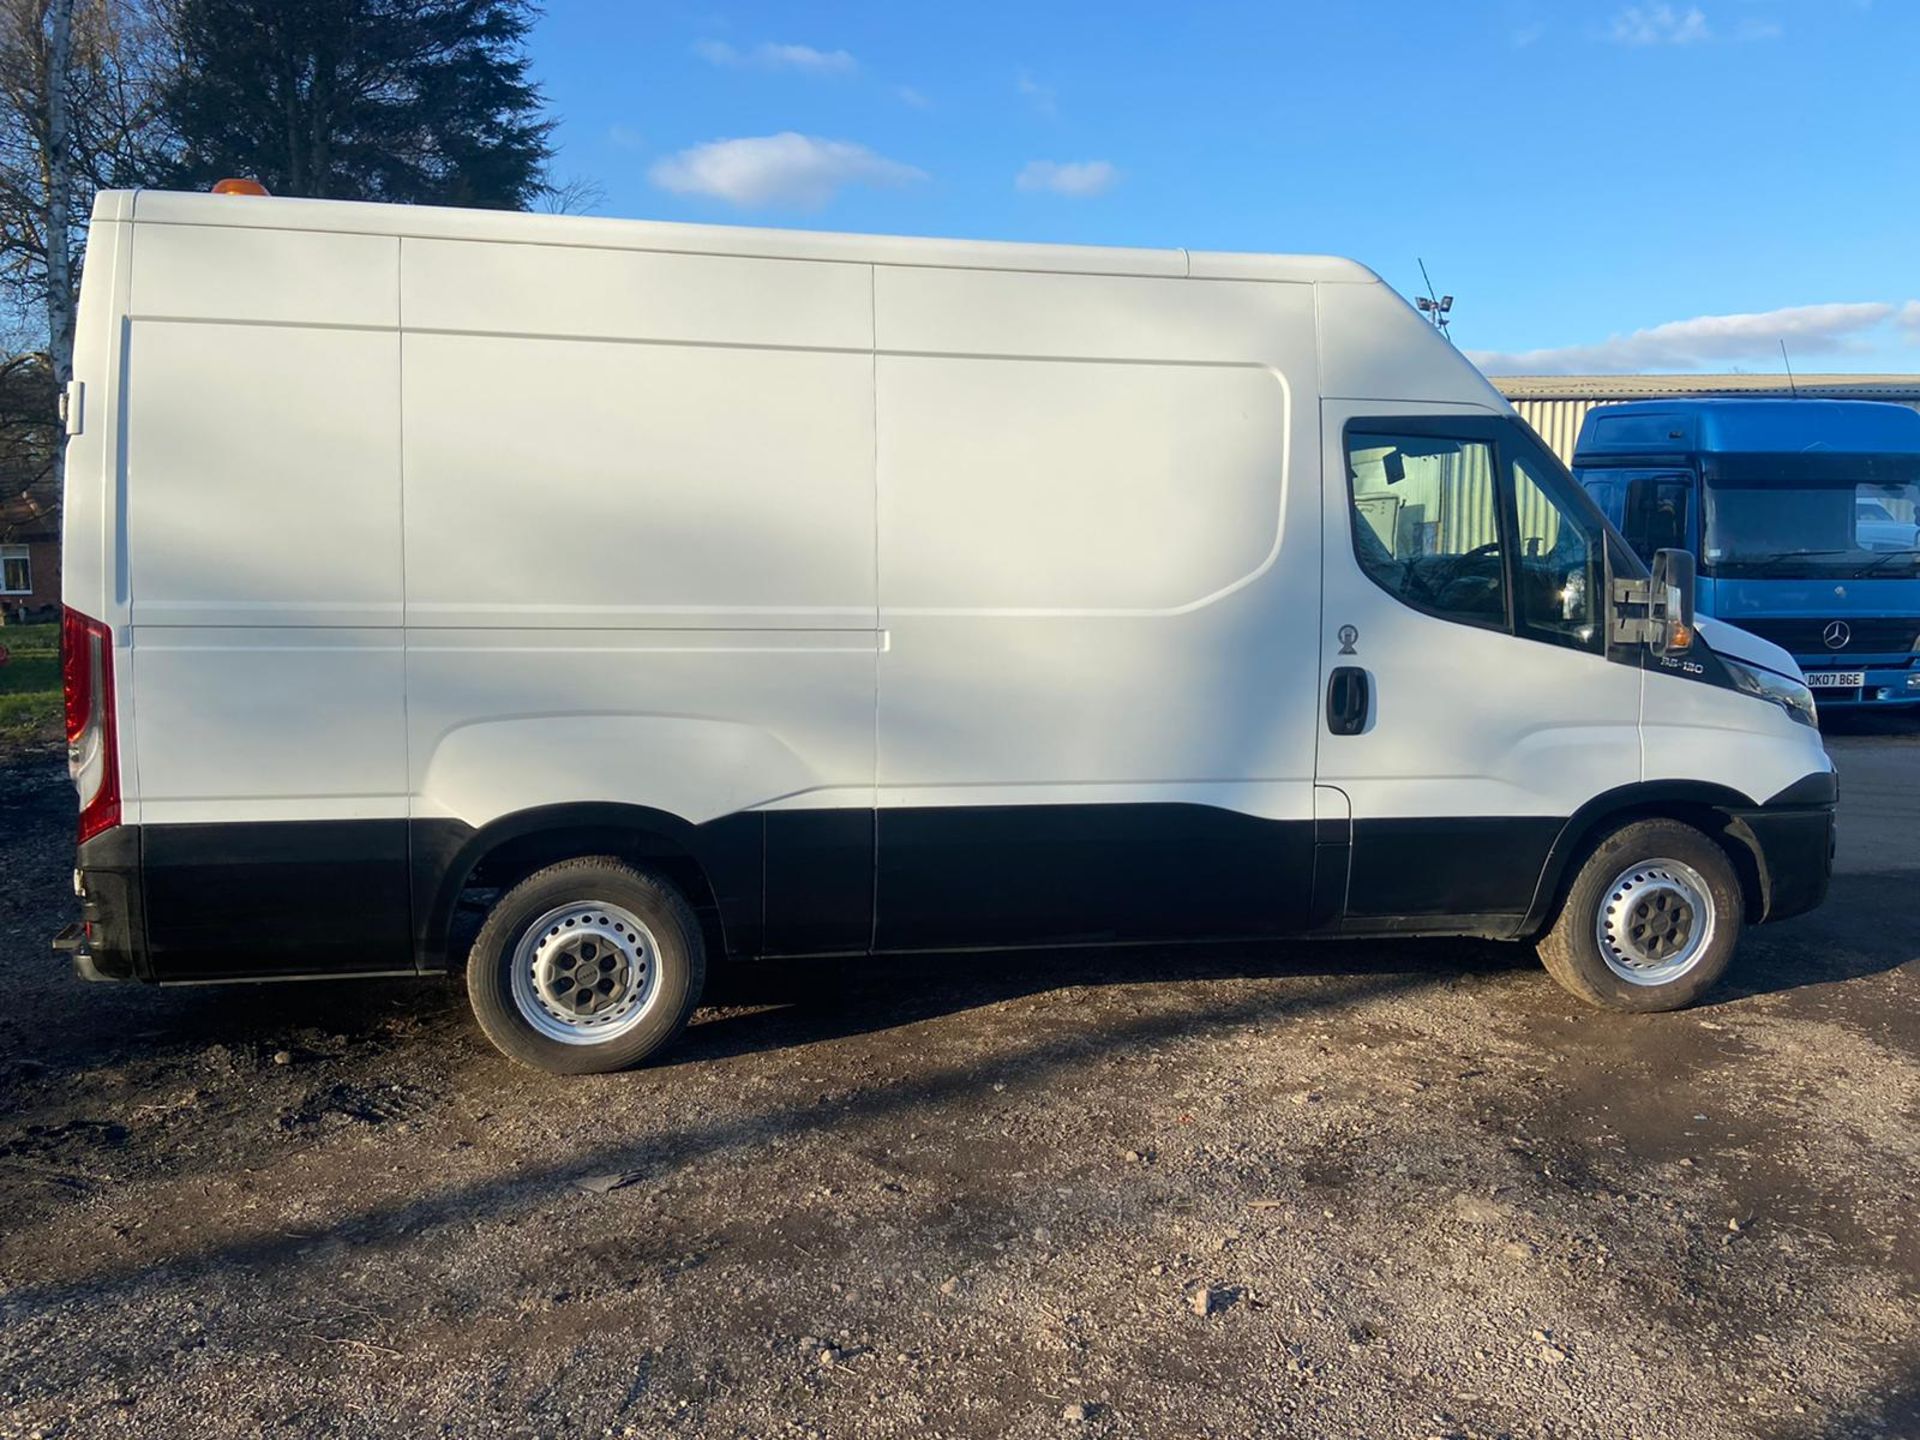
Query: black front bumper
point(1792, 837)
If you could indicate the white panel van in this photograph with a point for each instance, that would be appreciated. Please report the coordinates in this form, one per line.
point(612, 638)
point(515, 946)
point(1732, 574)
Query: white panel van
point(694, 592)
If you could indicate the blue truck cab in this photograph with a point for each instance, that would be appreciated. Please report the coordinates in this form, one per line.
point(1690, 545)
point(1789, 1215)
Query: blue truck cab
point(1803, 516)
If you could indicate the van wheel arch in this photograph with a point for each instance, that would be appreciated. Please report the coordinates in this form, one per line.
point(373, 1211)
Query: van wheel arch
point(1710, 809)
point(505, 851)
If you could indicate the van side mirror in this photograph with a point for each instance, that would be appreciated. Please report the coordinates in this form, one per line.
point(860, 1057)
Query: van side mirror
point(1670, 602)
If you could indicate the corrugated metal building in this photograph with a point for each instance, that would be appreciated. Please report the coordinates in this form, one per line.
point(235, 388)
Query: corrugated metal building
point(1443, 504)
point(1556, 404)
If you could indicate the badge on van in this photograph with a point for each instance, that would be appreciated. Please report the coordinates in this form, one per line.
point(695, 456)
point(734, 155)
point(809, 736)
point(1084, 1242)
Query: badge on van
point(1347, 635)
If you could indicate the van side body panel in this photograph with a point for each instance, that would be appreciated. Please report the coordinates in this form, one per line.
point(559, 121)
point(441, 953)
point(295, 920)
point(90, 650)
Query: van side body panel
point(892, 594)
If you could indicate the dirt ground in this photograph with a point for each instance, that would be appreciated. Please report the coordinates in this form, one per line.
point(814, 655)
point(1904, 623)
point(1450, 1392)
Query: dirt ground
point(1353, 1190)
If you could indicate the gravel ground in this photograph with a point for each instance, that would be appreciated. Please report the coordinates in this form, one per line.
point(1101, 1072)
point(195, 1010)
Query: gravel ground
point(1355, 1190)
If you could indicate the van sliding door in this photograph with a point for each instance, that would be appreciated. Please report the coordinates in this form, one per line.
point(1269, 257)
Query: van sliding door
point(1095, 712)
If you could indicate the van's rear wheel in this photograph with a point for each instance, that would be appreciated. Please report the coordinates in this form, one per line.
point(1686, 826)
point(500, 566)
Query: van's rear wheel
point(1650, 921)
point(586, 966)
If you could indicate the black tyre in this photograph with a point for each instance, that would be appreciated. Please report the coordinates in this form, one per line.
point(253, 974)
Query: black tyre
point(1650, 921)
point(586, 966)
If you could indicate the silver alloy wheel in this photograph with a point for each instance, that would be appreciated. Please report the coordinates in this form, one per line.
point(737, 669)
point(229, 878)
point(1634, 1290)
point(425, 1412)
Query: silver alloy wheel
point(585, 973)
point(1656, 920)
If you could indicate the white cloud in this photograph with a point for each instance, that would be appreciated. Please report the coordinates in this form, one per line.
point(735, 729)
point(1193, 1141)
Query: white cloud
point(1661, 25)
point(800, 172)
point(1526, 24)
point(1041, 97)
point(1078, 178)
point(626, 137)
point(769, 56)
point(1709, 340)
point(907, 95)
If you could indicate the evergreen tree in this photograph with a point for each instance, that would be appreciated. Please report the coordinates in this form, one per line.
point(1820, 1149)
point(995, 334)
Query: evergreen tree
point(420, 101)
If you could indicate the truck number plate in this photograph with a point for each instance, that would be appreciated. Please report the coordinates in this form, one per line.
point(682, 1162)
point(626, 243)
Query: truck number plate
point(1836, 679)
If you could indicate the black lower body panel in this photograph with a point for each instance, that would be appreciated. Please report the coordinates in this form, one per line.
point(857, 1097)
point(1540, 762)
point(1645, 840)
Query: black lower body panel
point(989, 875)
point(309, 897)
point(283, 899)
point(1414, 875)
point(817, 880)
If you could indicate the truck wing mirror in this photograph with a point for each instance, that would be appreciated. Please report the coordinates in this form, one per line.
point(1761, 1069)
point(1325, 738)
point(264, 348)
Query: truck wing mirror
point(1657, 613)
point(1670, 602)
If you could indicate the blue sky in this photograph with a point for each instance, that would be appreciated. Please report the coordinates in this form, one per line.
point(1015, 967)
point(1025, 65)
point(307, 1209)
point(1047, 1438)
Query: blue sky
point(1603, 185)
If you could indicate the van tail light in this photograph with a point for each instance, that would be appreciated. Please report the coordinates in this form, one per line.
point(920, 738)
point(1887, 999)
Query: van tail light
point(93, 742)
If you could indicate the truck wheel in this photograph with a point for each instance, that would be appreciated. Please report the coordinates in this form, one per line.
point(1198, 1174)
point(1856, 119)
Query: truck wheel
point(586, 966)
point(1650, 921)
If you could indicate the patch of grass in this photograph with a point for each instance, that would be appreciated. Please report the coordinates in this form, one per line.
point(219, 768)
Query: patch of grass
point(31, 639)
point(29, 674)
point(30, 721)
point(30, 704)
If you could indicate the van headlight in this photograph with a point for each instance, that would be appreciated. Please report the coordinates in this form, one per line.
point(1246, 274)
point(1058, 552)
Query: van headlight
point(1790, 695)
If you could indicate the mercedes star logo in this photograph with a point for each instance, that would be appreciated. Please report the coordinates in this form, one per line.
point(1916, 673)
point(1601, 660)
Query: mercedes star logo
point(1837, 635)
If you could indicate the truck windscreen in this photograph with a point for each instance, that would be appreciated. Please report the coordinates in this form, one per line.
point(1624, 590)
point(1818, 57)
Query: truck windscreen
point(1812, 515)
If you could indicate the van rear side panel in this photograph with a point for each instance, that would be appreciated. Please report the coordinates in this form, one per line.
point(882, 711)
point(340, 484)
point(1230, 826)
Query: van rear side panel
point(90, 503)
point(262, 529)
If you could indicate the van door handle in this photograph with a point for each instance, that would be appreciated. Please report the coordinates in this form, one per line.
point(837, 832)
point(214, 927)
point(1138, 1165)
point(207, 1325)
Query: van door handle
point(1347, 699)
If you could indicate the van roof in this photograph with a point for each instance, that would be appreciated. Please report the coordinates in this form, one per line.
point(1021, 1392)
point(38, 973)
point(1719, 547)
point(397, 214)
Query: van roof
point(1687, 425)
point(165, 207)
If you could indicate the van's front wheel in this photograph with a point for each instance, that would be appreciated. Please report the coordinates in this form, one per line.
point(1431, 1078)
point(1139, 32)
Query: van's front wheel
point(1650, 921)
point(586, 966)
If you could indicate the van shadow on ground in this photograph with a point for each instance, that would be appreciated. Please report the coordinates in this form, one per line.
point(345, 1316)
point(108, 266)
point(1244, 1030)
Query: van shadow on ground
point(781, 1004)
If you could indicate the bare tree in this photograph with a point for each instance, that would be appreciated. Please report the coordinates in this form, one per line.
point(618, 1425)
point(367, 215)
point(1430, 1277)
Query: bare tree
point(77, 111)
point(28, 439)
point(56, 200)
point(575, 195)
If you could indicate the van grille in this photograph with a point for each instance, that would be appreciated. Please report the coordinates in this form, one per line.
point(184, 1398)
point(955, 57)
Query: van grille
point(1867, 636)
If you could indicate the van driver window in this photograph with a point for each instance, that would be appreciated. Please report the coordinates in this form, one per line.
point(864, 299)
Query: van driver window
point(1426, 524)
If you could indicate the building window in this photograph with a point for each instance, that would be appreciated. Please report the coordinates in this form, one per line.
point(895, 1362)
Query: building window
point(16, 571)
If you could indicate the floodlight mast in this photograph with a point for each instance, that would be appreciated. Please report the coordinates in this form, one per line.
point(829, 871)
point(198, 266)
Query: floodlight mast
point(1436, 310)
